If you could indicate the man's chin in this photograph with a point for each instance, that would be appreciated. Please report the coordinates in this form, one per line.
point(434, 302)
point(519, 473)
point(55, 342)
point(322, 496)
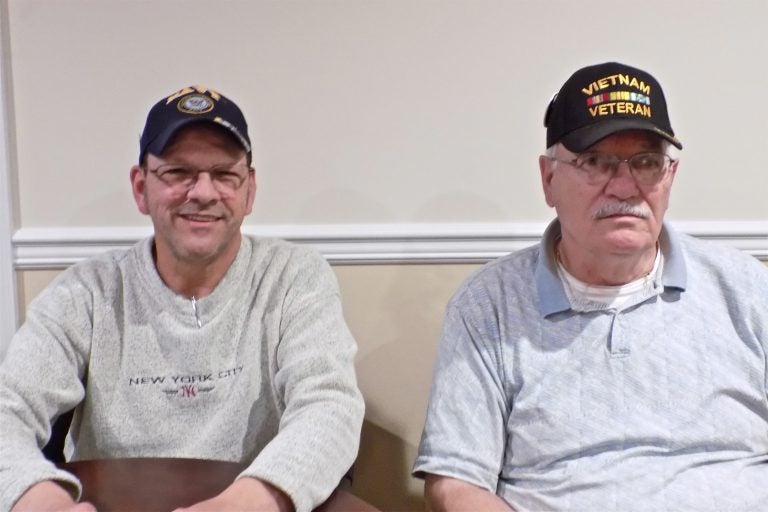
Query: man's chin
point(200, 250)
point(206, 249)
point(628, 241)
point(197, 255)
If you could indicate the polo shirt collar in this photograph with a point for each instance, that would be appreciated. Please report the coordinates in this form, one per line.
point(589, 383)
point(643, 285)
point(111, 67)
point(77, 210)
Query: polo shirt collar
point(552, 297)
point(675, 274)
point(551, 293)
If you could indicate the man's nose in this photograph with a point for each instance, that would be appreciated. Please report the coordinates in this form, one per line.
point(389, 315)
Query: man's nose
point(622, 183)
point(203, 189)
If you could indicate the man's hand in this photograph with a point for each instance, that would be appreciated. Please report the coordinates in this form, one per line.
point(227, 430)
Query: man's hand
point(245, 495)
point(446, 494)
point(49, 496)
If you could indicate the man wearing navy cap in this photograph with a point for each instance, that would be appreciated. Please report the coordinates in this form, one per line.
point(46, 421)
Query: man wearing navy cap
point(618, 365)
point(196, 343)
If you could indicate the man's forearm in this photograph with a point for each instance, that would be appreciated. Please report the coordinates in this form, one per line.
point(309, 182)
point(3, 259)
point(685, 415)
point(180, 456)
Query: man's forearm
point(445, 494)
point(246, 494)
point(48, 496)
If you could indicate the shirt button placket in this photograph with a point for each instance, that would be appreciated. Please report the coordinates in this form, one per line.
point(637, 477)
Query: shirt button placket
point(619, 343)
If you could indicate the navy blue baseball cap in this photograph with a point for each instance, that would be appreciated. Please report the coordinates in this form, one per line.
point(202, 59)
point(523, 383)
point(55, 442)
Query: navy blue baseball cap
point(597, 101)
point(192, 104)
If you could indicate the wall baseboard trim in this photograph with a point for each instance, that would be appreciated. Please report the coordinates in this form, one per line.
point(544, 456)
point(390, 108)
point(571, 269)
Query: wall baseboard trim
point(58, 247)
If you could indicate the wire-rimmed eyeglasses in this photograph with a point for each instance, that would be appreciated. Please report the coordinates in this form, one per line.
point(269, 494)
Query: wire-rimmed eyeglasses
point(598, 168)
point(226, 179)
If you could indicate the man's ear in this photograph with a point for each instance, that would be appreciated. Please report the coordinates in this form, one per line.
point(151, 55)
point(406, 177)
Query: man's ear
point(138, 187)
point(673, 170)
point(546, 168)
point(252, 186)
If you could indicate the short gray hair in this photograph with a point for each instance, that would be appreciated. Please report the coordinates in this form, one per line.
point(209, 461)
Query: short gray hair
point(551, 151)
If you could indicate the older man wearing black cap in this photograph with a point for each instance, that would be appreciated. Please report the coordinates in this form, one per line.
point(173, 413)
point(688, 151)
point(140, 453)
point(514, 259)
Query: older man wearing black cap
point(618, 365)
point(197, 342)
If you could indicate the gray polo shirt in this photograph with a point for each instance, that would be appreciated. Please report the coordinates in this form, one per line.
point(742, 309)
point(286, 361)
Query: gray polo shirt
point(659, 406)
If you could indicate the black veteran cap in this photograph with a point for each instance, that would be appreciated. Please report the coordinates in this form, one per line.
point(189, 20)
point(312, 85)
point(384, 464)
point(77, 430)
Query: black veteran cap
point(599, 100)
point(191, 105)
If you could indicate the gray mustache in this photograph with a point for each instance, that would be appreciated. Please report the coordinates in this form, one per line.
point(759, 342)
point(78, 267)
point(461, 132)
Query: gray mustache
point(621, 208)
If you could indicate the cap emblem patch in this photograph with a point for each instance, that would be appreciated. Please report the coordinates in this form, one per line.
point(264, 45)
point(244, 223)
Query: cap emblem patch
point(195, 104)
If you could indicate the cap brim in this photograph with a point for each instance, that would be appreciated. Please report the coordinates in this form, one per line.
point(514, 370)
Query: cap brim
point(582, 139)
point(157, 145)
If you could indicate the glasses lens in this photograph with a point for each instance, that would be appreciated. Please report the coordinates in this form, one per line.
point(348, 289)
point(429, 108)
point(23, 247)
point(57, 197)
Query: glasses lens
point(652, 161)
point(648, 167)
point(175, 176)
point(597, 166)
point(227, 181)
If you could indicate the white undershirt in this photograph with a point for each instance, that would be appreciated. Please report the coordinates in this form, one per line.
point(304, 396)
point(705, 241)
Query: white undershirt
point(589, 297)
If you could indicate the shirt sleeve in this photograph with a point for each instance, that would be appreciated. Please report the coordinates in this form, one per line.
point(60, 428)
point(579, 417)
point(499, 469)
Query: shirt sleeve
point(319, 431)
point(464, 435)
point(39, 380)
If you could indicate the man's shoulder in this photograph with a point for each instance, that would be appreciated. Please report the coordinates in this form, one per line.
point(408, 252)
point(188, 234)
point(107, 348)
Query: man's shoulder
point(502, 275)
point(519, 265)
point(281, 250)
point(734, 272)
point(717, 257)
point(107, 263)
point(281, 261)
point(102, 275)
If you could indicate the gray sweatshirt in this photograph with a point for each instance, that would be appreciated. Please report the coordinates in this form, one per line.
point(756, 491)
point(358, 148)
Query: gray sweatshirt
point(260, 371)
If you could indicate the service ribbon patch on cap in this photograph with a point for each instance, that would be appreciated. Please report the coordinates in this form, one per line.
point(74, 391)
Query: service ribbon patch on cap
point(618, 102)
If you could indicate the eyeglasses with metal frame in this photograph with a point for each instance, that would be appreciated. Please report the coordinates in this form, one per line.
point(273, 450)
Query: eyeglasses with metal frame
point(598, 168)
point(226, 179)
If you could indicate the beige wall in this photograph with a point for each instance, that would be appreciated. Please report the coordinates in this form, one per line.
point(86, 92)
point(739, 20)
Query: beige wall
point(367, 111)
point(395, 313)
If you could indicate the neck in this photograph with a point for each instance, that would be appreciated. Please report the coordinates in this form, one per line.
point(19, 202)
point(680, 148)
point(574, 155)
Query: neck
point(605, 269)
point(190, 277)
